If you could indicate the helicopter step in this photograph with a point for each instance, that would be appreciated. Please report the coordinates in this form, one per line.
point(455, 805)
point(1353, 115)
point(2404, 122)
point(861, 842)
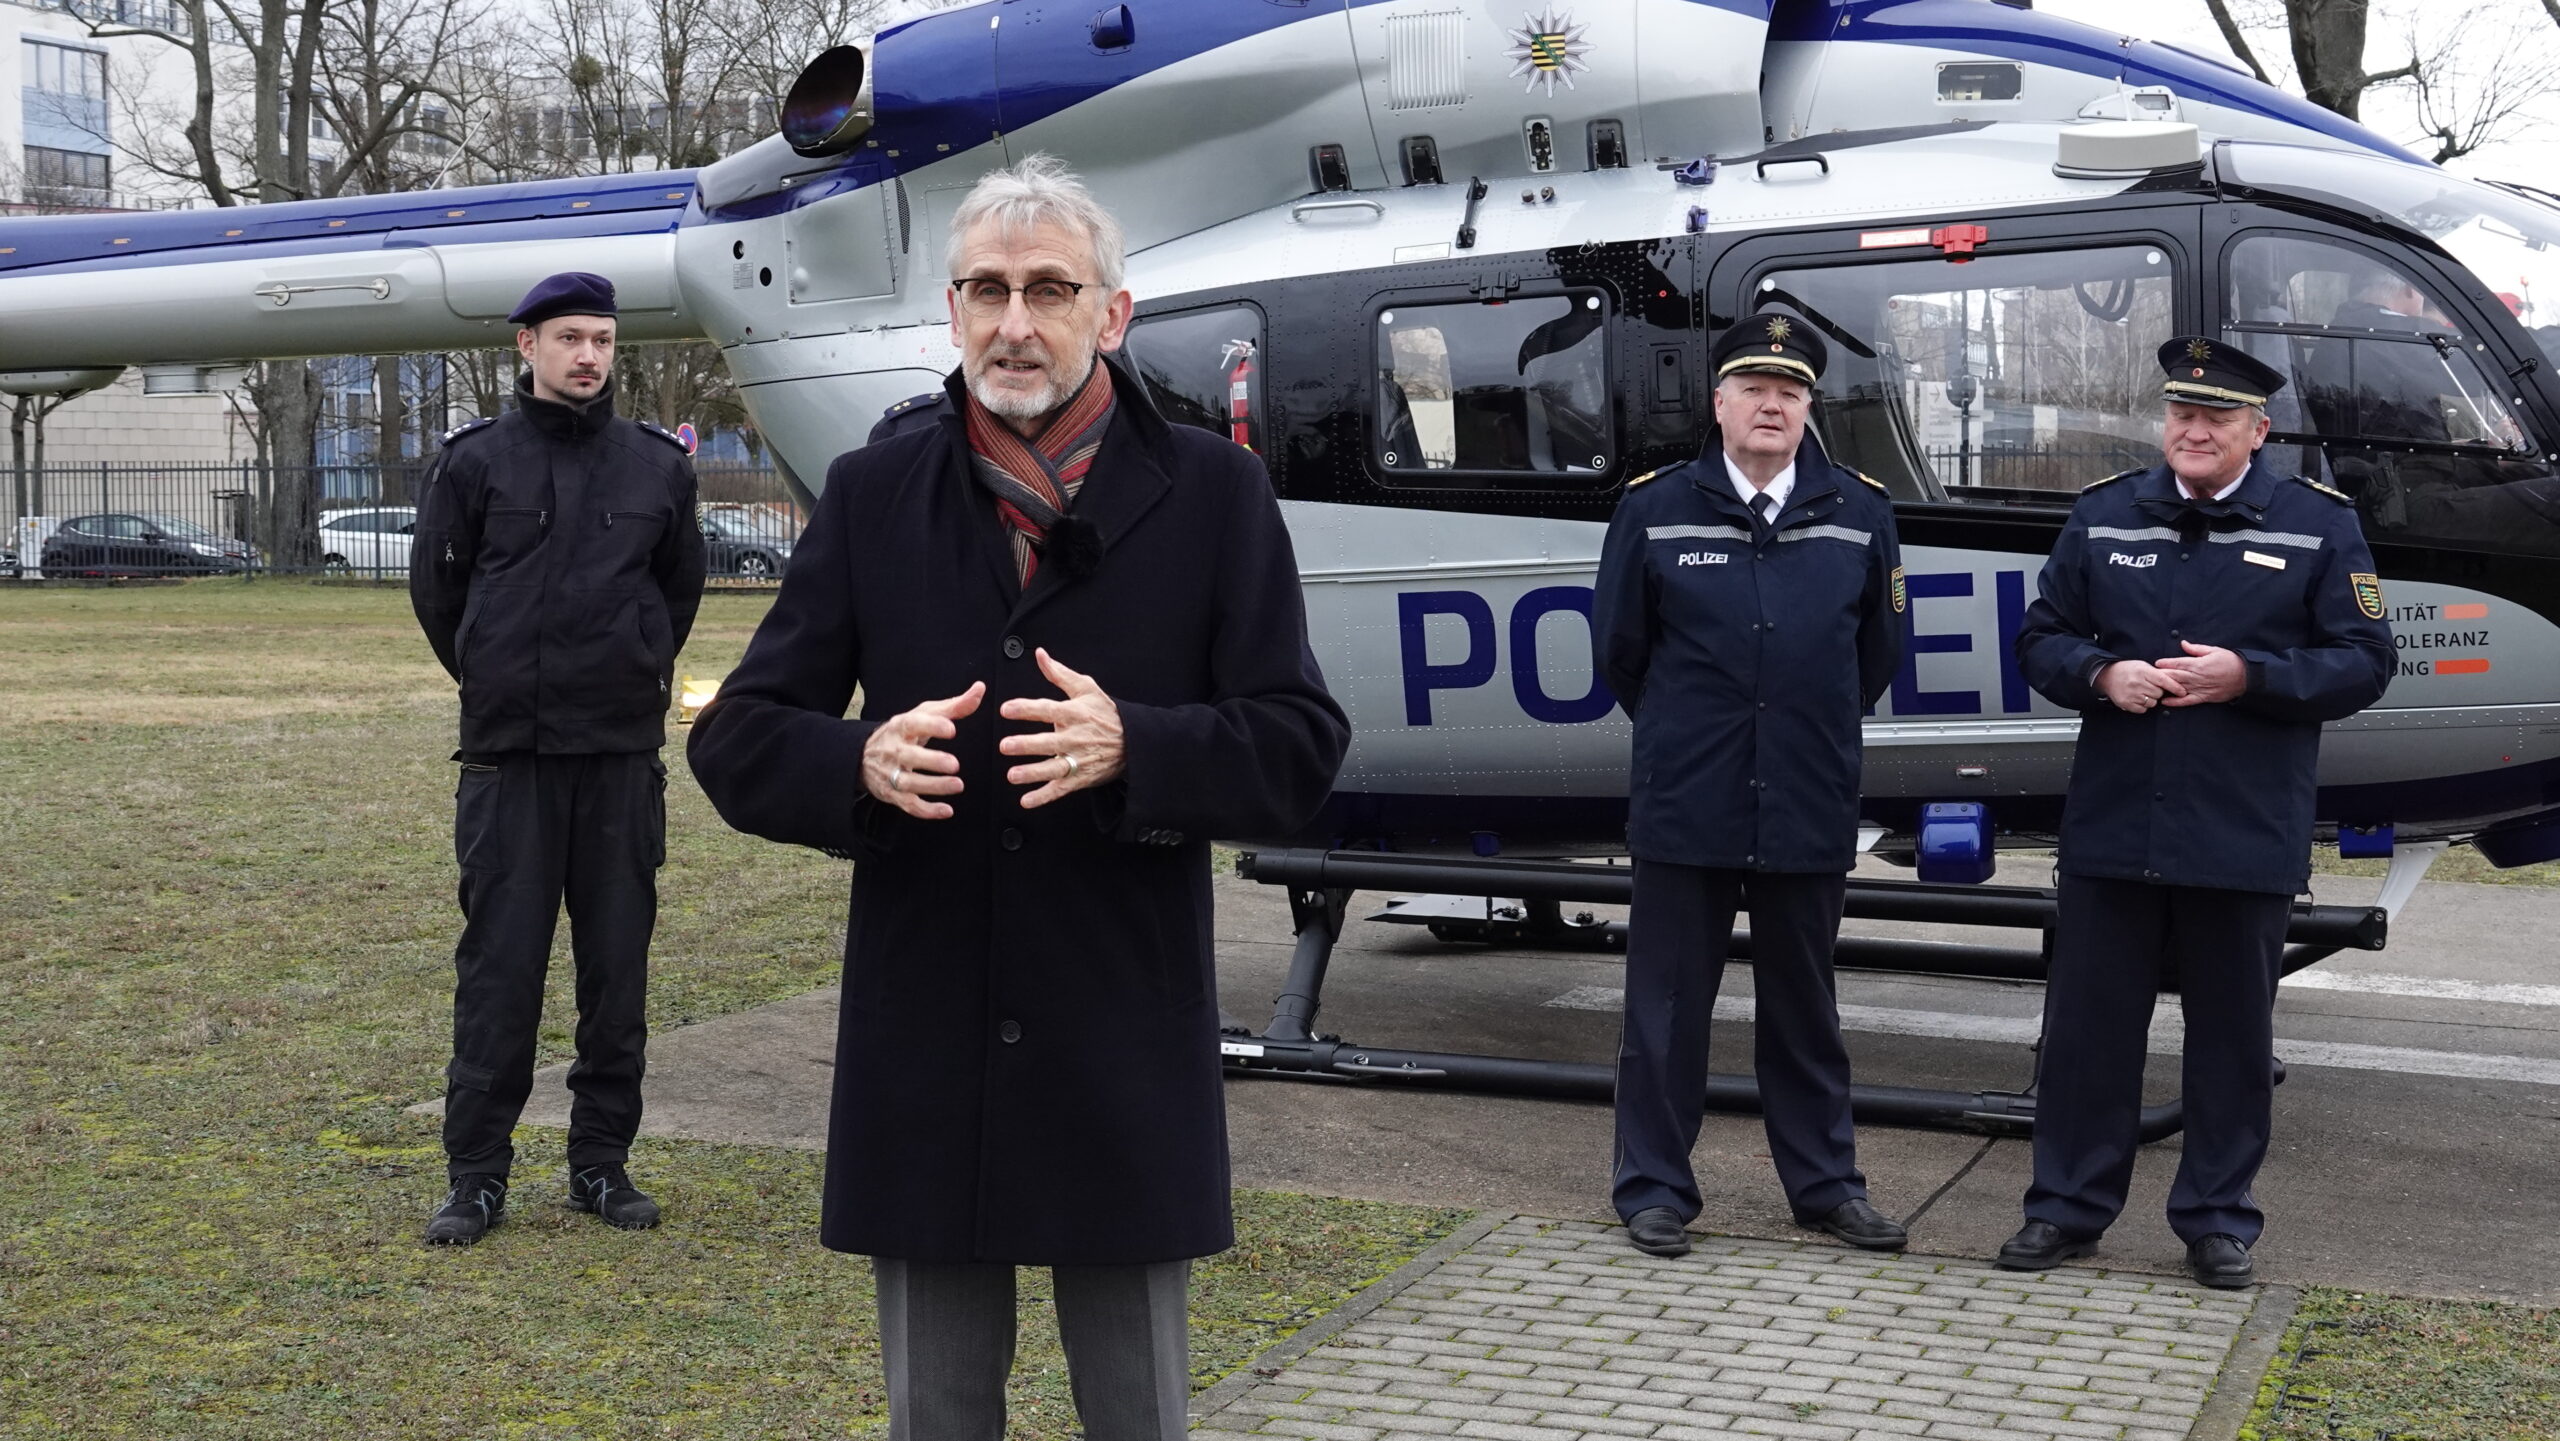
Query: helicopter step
point(1320, 885)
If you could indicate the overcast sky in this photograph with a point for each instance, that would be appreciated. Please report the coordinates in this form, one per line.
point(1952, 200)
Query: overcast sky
point(2508, 32)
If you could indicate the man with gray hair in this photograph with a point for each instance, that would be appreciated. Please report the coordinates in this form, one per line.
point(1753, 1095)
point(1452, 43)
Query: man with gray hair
point(1081, 653)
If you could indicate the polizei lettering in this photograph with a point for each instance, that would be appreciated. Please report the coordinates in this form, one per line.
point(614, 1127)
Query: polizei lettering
point(2144, 561)
point(1704, 557)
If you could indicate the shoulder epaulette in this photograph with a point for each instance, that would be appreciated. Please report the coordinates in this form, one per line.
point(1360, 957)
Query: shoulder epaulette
point(662, 433)
point(914, 410)
point(466, 428)
point(2340, 496)
point(1648, 475)
point(2119, 475)
point(1871, 480)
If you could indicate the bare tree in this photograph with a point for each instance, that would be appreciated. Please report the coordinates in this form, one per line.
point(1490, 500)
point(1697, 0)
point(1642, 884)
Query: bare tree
point(2480, 92)
point(2327, 42)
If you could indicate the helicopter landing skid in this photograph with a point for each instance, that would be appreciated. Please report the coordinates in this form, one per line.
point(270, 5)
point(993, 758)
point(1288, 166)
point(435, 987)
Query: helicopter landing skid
point(1321, 884)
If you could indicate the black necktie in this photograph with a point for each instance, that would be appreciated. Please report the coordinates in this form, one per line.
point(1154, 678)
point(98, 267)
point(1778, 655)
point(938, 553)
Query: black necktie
point(1764, 506)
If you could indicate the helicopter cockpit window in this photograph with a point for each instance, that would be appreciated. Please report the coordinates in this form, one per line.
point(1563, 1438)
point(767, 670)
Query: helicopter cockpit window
point(1203, 368)
point(2387, 400)
point(1501, 392)
point(2005, 380)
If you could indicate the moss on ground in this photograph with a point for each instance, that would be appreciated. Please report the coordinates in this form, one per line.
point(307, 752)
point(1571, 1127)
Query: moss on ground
point(2362, 1367)
point(226, 922)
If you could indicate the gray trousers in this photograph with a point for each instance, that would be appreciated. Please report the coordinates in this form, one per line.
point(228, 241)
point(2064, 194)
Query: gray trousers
point(946, 1342)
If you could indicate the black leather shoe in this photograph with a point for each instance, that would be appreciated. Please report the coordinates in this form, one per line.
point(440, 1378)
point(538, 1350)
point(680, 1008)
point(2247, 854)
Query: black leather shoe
point(608, 1192)
point(1859, 1224)
point(2222, 1262)
point(2041, 1246)
point(1658, 1231)
point(476, 1203)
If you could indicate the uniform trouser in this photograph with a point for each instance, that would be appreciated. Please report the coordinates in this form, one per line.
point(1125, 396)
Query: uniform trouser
point(2113, 943)
point(1678, 933)
point(946, 1346)
point(530, 831)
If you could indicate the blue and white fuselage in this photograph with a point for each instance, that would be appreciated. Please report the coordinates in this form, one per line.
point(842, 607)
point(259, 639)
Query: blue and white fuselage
point(1254, 148)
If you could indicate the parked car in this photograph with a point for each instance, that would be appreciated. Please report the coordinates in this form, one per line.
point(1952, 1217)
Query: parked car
point(372, 541)
point(8, 562)
point(750, 543)
point(128, 544)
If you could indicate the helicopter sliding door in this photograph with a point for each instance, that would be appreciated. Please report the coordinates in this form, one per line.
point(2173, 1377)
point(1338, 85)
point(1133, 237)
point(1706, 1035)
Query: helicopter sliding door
point(2412, 390)
point(1984, 373)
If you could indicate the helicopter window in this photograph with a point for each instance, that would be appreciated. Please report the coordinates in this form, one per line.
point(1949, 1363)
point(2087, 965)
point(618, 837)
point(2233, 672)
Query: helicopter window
point(1203, 368)
point(1494, 389)
point(2387, 398)
point(2006, 380)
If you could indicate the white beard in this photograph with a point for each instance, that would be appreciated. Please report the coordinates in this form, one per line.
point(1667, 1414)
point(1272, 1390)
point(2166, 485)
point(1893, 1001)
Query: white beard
point(1021, 405)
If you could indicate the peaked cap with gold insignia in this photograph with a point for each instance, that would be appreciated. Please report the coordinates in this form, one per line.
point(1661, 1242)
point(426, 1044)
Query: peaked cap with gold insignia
point(2207, 372)
point(1774, 343)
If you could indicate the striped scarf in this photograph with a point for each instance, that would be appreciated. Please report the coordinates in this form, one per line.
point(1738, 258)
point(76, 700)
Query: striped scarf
point(1035, 482)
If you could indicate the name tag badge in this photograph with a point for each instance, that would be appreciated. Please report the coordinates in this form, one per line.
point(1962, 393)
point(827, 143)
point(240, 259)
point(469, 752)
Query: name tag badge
point(2271, 562)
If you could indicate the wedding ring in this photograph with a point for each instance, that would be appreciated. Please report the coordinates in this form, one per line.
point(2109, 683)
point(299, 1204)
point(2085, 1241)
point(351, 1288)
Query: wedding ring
point(1071, 765)
point(898, 781)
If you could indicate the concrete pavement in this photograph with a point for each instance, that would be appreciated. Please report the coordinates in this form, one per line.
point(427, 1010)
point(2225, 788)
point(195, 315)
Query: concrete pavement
point(2392, 1179)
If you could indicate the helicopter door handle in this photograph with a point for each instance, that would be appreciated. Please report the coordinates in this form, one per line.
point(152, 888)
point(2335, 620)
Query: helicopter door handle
point(1823, 161)
point(1305, 208)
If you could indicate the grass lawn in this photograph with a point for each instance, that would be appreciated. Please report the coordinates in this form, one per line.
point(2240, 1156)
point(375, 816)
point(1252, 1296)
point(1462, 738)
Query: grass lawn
point(2359, 1367)
point(226, 921)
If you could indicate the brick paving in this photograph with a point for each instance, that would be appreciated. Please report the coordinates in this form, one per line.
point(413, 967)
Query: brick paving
point(1550, 1331)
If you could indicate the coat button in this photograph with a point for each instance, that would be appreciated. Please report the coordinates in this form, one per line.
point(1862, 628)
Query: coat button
point(1011, 839)
point(1013, 647)
point(1009, 1032)
point(1764, 705)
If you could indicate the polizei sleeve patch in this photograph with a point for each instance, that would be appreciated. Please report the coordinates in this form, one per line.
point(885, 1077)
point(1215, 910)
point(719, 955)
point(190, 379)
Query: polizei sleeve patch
point(2368, 594)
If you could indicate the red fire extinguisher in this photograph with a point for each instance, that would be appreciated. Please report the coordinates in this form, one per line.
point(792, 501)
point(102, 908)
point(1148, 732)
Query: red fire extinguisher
point(1239, 362)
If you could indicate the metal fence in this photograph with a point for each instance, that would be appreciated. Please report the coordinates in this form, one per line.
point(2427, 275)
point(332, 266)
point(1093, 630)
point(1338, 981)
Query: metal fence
point(91, 521)
point(2062, 470)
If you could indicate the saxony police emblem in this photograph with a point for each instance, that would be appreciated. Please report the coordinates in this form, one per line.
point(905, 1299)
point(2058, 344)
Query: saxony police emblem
point(1548, 47)
point(2368, 594)
point(1897, 589)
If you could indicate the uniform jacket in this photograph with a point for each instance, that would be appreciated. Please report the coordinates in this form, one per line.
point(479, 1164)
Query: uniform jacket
point(556, 569)
point(1027, 1063)
point(2210, 795)
point(1747, 660)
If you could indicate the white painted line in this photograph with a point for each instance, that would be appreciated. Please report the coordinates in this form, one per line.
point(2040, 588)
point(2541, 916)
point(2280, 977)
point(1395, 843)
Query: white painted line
point(2168, 1038)
point(2427, 988)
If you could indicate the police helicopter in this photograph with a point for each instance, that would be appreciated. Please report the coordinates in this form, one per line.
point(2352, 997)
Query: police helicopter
point(1451, 266)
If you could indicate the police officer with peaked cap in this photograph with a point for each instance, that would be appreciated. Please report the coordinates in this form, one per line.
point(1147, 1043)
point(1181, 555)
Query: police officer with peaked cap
point(2204, 617)
point(1748, 612)
point(556, 569)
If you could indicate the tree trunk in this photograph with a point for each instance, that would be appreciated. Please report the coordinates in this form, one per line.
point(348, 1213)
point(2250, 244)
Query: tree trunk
point(390, 452)
point(293, 514)
point(18, 460)
point(2328, 52)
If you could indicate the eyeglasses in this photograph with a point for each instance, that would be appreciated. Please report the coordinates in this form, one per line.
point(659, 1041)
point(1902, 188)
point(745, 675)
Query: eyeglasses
point(984, 297)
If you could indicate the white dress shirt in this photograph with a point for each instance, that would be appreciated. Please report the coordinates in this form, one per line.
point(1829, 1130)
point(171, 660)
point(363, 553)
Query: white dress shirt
point(1777, 490)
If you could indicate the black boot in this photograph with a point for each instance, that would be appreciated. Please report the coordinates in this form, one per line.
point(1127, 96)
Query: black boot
point(1658, 1231)
point(607, 1191)
point(2041, 1246)
point(1860, 1224)
point(2222, 1262)
point(476, 1203)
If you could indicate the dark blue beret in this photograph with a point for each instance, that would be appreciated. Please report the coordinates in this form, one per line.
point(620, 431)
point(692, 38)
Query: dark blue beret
point(571, 292)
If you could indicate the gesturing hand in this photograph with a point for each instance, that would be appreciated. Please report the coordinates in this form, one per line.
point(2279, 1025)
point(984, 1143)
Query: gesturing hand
point(2208, 673)
point(1084, 749)
point(2132, 686)
point(902, 769)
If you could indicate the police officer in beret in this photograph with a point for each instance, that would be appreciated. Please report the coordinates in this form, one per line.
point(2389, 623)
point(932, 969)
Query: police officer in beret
point(2204, 617)
point(1749, 611)
point(556, 569)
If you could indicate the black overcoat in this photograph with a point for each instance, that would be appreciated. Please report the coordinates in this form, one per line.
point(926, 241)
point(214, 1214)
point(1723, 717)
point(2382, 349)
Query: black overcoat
point(1026, 1060)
